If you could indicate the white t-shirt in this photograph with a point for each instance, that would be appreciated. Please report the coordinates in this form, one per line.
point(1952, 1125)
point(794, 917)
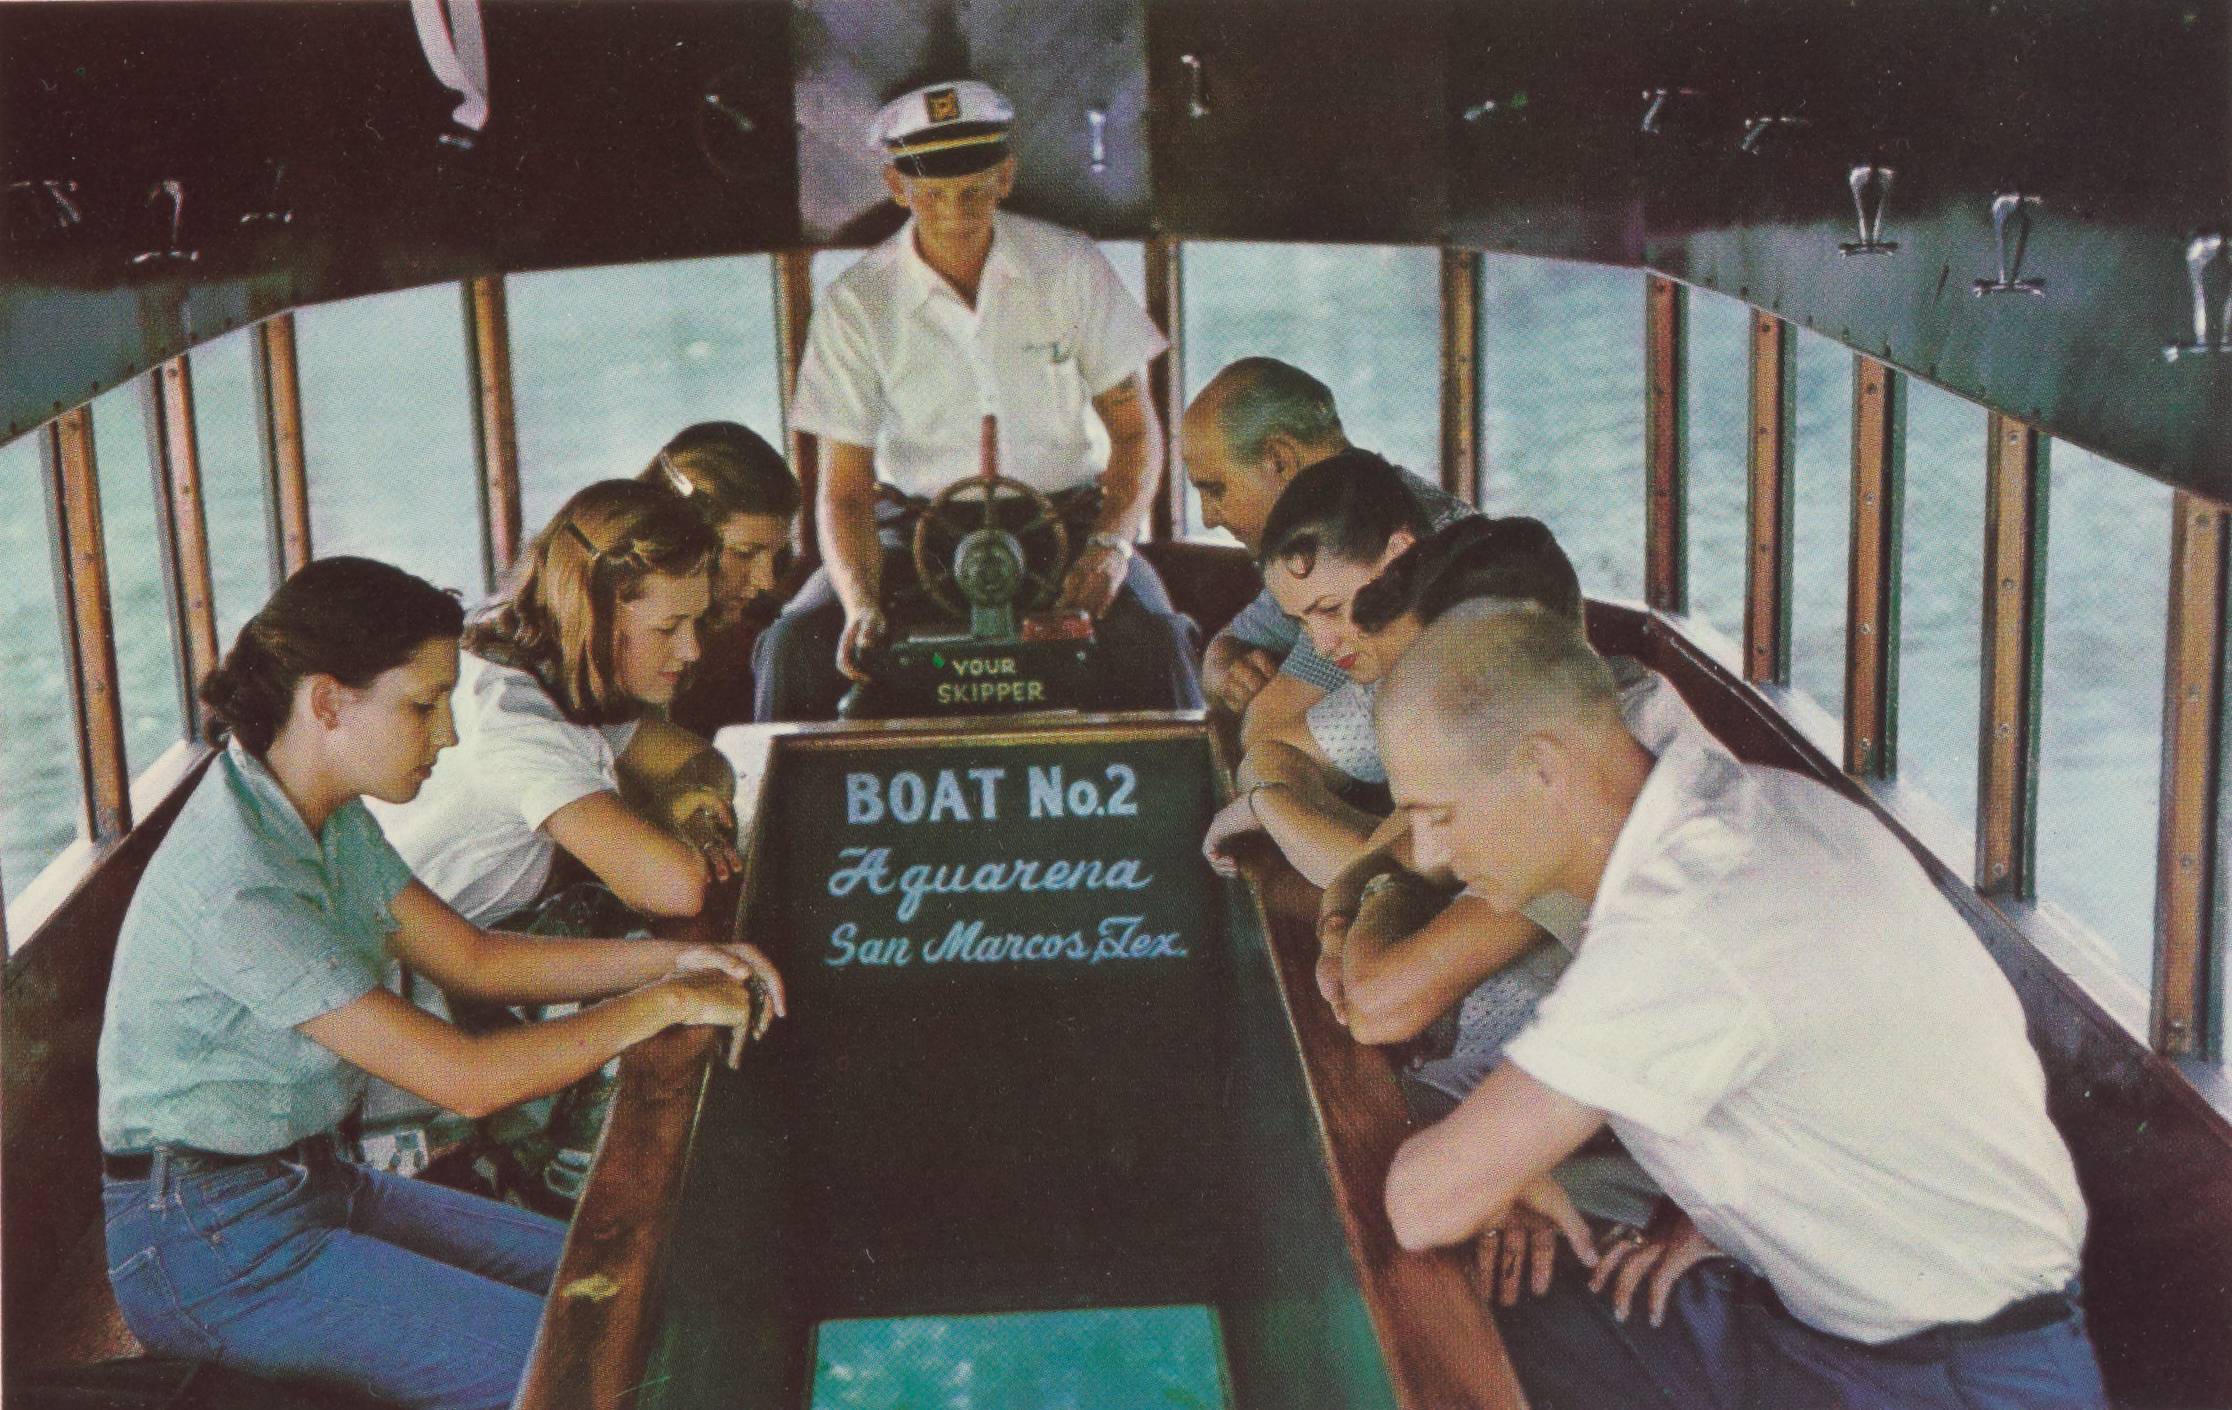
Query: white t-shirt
point(895, 361)
point(474, 833)
point(1803, 1042)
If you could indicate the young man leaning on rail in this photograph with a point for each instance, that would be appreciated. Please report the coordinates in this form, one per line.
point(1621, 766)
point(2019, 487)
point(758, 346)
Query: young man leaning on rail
point(1781, 1018)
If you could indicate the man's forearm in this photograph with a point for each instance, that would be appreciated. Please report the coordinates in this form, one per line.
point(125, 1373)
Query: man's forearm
point(852, 552)
point(1127, 487)
point(1456, 1175)
point(1318, 832)
point(1135, 458)
point(1403, 974)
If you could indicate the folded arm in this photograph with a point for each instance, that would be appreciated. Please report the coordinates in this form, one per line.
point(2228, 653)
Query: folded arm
point(650, 869)
point(1277, 708)
point(1457, 1176)
point(1400, 974)
point(1289, 782)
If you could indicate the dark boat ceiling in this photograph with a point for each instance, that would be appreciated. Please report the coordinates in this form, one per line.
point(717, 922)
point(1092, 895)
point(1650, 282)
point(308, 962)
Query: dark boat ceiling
point(1715, 141)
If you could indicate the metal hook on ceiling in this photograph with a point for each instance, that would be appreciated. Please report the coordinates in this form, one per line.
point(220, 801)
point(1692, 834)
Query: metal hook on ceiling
point(56, 200)
point(1756, 130)
point(1656, 101)
point(449, 35)
point(2011, 230)
point(2201, 256)
point(1197, 92)
point(174, 191)
point(1871, 242)
point(273, 213)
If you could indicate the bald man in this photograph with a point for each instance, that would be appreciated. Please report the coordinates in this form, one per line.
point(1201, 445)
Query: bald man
point(1783, 1020)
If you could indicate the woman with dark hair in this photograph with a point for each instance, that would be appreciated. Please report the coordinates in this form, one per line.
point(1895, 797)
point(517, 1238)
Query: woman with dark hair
point(246, 1013)
point(1368, 587)
point(744, 491)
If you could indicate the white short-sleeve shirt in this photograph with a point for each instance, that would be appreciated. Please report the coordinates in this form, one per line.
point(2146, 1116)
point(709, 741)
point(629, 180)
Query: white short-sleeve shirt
point(897, 362)
point(475, 834)
point(1804, 1043)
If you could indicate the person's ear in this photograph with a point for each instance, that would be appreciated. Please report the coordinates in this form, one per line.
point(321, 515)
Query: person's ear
point(1007, 177)
point(896, 185)
point(1397, 543)
point(1283, 453)
point(1544, 763)
point(324, 696)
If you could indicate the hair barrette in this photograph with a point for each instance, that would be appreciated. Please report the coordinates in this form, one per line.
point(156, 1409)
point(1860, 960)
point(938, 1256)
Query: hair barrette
point(583, 539)
point(679, 481)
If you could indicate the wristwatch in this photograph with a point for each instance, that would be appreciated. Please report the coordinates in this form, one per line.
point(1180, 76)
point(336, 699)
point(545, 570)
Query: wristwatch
point(1114, 543)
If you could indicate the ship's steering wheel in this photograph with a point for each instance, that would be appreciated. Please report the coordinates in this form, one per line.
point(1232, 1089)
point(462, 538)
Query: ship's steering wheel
point(991, 502)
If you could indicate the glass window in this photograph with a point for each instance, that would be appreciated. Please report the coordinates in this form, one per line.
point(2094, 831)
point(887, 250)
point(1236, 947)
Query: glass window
point(388, 430)
point(1821, 519)
point(1364, 320)
point(39, 792)
point(1940, 615)
point(1130, 259)
point(1562, 396)
point(2100, 727)
point(146, 654)
point(1719, 413)
point(830, 263)
point(235, 496)
point(607, 364)
point(1094, 1359)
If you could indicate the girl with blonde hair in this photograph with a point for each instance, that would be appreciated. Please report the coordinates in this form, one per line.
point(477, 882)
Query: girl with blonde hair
point(598, 628)
point(595, 633)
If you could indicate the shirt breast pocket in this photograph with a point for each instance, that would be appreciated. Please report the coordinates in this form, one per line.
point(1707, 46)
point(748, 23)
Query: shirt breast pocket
point(1047, 370)
point(932, 387)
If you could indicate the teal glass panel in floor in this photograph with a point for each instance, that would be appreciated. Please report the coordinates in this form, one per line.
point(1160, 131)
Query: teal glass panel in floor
point(1148, 1358)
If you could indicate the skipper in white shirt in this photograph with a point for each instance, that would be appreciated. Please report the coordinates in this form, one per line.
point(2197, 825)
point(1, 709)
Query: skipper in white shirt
point(969, 312)
point(1783, 1020)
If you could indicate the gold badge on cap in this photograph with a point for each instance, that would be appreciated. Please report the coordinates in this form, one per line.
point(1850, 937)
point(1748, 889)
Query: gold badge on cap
point(942, 105)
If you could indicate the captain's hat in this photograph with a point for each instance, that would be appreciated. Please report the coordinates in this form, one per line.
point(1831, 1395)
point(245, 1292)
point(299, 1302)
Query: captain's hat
point(946, 129)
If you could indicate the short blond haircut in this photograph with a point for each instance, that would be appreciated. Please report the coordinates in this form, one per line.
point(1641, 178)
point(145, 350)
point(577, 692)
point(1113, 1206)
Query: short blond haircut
point(1493, 670)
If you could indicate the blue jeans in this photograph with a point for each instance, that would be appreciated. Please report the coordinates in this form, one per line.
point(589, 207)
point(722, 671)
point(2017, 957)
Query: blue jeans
point(1728, 1344)
point(324, 1272)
